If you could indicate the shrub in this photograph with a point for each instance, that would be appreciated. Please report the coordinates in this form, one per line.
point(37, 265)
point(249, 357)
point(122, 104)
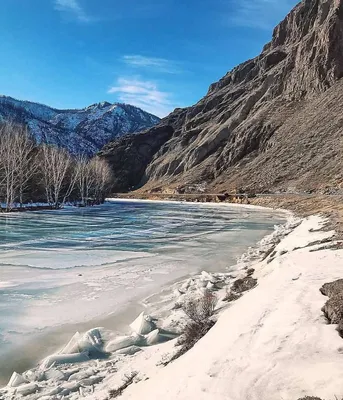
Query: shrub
point(200, 310)
point(310, 398)
point(128, 380)
point(231, 296)
point(244, 284)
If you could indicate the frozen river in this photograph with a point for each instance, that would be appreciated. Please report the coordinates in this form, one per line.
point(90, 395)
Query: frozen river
point(75, 265)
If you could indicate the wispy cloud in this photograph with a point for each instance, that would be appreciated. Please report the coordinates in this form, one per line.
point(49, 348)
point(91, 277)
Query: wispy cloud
point(261, 14)
point(143, 94)
point(152, 63)
point(72, 7)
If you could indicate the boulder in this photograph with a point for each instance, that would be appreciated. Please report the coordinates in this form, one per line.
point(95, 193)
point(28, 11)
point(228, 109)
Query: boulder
point(332, 288)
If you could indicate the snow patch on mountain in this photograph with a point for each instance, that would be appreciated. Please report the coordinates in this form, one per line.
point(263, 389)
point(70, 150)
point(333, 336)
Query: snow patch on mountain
point(84, 130)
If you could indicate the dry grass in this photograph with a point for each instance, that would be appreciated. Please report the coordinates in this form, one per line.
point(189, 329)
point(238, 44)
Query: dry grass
point(128, 380)
point(199, 312)
point(330, 206)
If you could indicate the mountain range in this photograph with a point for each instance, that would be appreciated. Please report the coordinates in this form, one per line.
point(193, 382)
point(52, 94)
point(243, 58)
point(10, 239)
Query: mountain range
point(84, 130)
point(274, 122)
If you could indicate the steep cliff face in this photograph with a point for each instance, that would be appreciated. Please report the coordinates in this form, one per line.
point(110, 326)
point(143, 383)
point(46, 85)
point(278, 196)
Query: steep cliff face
point(269, 122)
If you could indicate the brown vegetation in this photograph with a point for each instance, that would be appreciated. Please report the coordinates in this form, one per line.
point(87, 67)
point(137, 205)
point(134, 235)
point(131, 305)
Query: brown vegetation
point(128, 380)
point(199, 312)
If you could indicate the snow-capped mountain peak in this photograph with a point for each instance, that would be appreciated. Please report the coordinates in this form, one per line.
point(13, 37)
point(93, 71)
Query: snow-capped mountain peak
point(84, 130)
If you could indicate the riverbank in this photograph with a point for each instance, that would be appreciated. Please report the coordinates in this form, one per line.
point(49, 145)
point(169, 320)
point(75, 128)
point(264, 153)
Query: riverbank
point(302, 205)
point(170, 320)
point(272, 342)
point(84, 268)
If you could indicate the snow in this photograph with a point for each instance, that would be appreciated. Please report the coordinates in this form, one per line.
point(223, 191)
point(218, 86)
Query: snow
point(272, 343)
point(83, 131)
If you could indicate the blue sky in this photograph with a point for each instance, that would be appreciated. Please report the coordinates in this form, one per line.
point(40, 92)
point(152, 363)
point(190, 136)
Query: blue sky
point(156, 54)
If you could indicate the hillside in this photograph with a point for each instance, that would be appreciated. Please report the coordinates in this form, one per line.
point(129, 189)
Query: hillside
point(80, 131)
point(272, 123)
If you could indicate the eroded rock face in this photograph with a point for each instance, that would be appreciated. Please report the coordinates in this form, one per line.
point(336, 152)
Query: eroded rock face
point(129, 158)
point(333, 308)
point(333, 288)
point(272, 122)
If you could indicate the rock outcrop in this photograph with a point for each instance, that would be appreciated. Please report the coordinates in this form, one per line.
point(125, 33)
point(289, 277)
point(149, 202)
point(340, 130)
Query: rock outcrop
point(333, 308)
point(273, 122)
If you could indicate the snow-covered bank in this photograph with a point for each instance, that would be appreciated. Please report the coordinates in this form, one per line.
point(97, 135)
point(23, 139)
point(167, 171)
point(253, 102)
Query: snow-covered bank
point(213, 204)
point(89, 267)
point(273, 343)
point(101, 372)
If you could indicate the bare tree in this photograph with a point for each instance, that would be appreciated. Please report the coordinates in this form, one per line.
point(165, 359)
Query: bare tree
point(7, 165)
point(59, 177)
point(102, 177)
point(17, 163)
point(26, 162)
point(85, 178)
point(23, 164)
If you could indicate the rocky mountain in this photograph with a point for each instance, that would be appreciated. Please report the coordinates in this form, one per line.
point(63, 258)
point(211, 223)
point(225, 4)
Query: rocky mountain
point(80, 131)
point(274, 122)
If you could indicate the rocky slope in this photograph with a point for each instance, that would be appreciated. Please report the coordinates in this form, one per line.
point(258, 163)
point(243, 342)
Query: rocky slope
point(272, 123)
point(80, 131)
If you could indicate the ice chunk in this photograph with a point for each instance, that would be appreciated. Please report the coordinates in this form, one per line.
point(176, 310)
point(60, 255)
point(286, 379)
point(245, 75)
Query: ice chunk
point(123, 341)
point(54, 391)
point(73, 345)
point(129, 351)
point(82, 375)
point(34, 376)
point(201, 284)
point(142, 324)
point(69, 388)
point(55, 375)
point(16, 380)
point(65, 359)
point(153, 337)
point(68, 372)
point(27, 389)
point(93, 380)
point(91, 341)
point(93, 336)
point(210, 286)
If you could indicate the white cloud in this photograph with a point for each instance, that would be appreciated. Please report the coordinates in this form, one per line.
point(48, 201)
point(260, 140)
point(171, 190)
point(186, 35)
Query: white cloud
point(261, 14)
point(157, 64)
point(73, 7)
point(143, 94)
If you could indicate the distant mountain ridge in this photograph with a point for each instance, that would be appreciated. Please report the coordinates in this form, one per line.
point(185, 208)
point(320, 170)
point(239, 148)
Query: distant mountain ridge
point(84, 130)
